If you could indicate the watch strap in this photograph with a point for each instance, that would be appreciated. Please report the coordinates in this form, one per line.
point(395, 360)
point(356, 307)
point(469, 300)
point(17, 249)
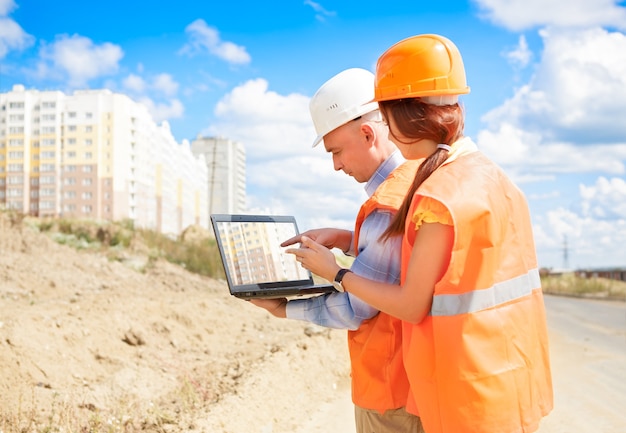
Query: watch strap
point(340, 274)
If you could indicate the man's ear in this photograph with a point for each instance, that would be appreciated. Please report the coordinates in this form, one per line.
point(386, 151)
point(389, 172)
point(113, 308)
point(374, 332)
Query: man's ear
point(368, 132)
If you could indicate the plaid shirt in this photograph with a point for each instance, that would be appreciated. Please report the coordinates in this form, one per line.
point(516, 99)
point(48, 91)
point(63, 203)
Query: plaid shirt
point(376, 260)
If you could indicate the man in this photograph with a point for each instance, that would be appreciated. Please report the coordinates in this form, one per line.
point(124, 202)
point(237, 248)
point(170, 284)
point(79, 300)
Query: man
point(351, 128)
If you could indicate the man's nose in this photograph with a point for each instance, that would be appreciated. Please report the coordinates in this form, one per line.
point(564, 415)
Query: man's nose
point(337, 163)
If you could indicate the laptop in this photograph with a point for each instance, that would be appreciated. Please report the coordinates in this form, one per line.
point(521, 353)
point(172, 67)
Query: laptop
point(255, 264)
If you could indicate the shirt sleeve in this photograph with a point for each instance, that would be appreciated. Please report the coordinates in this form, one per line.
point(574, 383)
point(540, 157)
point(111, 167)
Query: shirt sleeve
point(376, 260)
point(430, 210)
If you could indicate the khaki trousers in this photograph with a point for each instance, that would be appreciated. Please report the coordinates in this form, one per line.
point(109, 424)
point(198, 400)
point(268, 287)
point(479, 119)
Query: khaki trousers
point(392, 421)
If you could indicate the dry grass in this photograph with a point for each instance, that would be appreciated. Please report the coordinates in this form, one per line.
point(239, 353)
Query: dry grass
point(572, 285)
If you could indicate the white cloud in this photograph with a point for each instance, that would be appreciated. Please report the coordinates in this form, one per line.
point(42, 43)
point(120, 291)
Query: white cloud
point(134, 83)
point(79, 59)
point(606, 199)
point(521, 55)
point(320, 12)
point(12, 36)
point(523, 14)
point(6, 6)
point(578, 93)
point(524, 152)
point(205, 38)
point(165, 84)
point(284, 173)
point(270, 125)
point(585, 239)
point(162, 111)
point(569, 117)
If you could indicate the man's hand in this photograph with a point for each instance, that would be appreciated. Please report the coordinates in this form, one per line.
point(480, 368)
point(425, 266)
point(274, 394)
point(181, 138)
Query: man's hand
point(277, 307)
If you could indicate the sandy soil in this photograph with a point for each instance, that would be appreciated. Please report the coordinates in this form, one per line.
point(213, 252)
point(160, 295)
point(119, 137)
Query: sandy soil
point(88, 343)
point(93, 345)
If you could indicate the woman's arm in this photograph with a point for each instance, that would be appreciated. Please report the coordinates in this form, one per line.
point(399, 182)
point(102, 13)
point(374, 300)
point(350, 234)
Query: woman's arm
point(412, 300)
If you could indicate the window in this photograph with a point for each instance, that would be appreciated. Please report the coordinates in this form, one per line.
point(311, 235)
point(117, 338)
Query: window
point(88, 142)
point(69, 181)
point(86, 209)
point(47, 167)
point(16, 142)
point(71, 141)
point(87, 169)
point(48, 104)
point(48, 142)
point(88, 128)
point(88, 155)
point(88, 115)
point(15, 168)
point(71, 114)
point(47, 129)
point(69, 168)
point(69, 194)
point(15, 180)
point(16, 130)
point(46, 180)
point(16, 118)
point(46, 117)
point(71, 155)
point(15, 192)
point(16, 155)
point(16, 105)
point(49, 154)
point(71, 128)
point(86, 196)
point(47, 192)
point(87, 182)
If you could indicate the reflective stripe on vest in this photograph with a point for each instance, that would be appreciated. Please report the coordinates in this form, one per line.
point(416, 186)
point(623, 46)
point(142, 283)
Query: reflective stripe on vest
point(483, 299)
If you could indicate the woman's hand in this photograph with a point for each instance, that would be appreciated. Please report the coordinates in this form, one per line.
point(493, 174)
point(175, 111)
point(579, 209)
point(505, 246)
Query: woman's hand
point(316, 258)
point(328, 237)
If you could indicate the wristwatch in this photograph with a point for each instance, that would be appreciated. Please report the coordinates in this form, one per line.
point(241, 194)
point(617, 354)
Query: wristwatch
point(339, 278)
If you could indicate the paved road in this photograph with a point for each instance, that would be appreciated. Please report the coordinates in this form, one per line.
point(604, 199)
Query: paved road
point(588, 349)
point(588, 357)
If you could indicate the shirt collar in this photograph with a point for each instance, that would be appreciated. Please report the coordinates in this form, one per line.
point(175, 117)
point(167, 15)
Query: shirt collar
point(383, 171)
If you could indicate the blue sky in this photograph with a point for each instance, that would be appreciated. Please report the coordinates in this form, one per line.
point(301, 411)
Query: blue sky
point(547, 101)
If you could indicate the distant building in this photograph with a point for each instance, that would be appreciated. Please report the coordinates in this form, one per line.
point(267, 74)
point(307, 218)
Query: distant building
point(96, 154)
point(226, 172)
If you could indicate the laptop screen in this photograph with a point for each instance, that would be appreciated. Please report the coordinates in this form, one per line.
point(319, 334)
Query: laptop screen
point(252, 255)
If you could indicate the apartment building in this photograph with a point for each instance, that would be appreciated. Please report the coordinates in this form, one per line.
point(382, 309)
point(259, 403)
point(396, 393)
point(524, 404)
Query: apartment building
point(226, 172)
point(97, 154)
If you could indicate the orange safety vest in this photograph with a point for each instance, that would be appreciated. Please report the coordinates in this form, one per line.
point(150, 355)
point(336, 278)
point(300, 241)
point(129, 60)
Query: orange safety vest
point(479, 361)
point(379, 381)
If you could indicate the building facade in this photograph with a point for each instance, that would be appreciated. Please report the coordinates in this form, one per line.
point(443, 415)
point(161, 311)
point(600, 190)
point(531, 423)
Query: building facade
point(96, 154)
point(226, 172)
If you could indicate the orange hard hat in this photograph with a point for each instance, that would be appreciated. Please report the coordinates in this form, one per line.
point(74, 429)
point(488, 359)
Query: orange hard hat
point(420, 66)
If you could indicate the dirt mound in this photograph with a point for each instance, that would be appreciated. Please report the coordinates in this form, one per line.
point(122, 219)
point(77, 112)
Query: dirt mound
point(90, 344)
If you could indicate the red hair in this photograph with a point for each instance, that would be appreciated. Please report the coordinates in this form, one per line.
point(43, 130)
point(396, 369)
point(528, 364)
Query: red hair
point(416, 120)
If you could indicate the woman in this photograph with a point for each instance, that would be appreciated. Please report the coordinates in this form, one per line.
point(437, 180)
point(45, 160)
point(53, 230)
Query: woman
point(474, 331)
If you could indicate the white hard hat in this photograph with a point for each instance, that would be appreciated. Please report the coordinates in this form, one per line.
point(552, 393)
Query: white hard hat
point(343, 98)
